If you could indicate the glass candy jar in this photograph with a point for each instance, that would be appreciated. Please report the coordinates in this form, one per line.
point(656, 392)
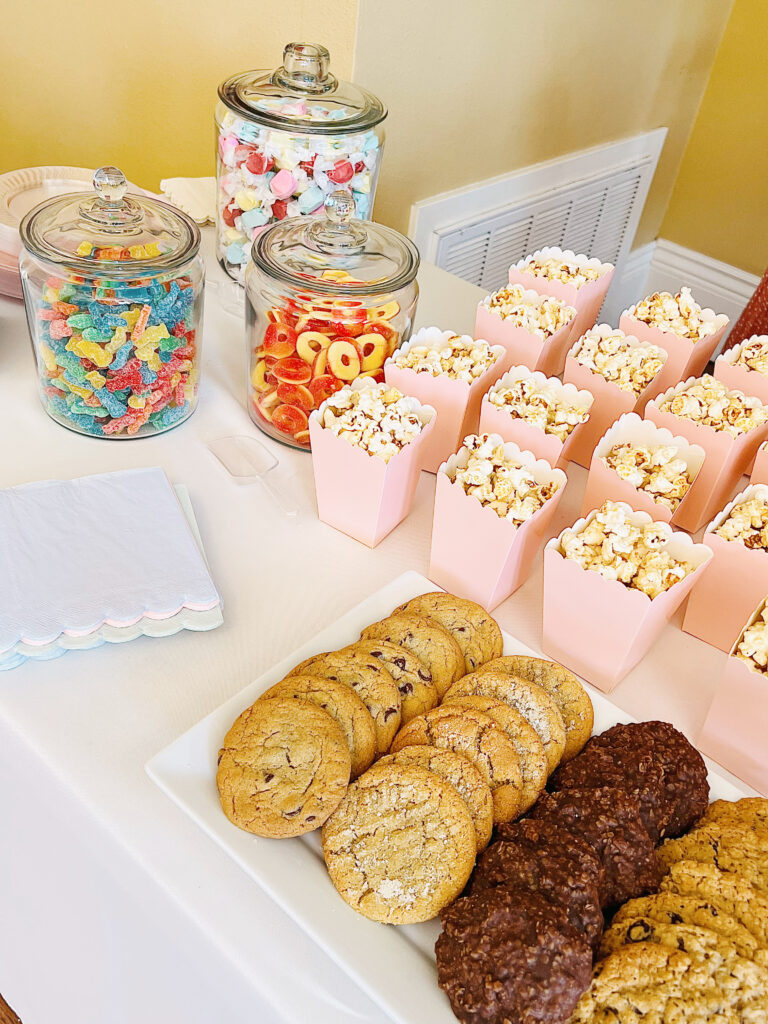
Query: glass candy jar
point(285, 140)
point(113, 289)
point(327, 300)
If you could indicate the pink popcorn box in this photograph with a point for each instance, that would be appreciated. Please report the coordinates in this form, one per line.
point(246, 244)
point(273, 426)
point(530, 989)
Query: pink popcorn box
point(610, 403)
point(726, 459)
point(733, 733)
point(759, 473)
point(457, 402)
point(741, 378)
point(722, 601)
point(522, 347)
point(605, 484)
point(587, 300)
point(495, 419)
point(601, 628)
point(476, 554)
point(359, 493)
point(685, 358)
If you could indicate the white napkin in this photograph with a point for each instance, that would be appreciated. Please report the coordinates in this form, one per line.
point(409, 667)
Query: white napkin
point(195, 196)
point(106, 549)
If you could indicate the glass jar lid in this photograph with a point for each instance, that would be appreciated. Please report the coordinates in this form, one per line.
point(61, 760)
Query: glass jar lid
point(109, 233)
point(336, 254)
point(302, 95)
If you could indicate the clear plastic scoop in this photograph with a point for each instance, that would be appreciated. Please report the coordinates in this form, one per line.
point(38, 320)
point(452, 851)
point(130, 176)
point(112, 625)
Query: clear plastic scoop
point(249, 461)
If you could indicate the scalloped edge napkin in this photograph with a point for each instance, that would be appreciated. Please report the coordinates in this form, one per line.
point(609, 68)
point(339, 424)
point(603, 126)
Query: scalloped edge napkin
point(112, 554)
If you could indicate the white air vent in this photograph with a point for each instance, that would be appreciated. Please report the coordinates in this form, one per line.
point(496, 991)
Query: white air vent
point(589, 201)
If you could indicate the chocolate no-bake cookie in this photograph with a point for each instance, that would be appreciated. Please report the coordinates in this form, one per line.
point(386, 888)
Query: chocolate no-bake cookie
point(607, 819)
point(511, 955)
point(543, 857)
point(655, 763)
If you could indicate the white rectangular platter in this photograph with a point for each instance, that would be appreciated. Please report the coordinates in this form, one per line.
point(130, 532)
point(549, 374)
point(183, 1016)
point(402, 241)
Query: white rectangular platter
point(393, 965)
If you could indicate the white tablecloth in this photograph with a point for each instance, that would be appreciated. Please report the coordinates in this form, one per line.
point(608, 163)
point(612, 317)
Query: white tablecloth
point(114, 907)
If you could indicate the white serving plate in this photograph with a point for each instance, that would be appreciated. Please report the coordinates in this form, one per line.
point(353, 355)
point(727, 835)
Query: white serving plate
point(379, 958)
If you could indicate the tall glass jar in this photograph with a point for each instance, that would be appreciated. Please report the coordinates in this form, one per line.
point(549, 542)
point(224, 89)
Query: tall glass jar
point(113, 290)
point(285, 140)
point(327, 300)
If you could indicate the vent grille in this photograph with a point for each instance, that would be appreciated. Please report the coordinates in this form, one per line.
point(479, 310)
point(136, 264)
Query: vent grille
point(593, 217)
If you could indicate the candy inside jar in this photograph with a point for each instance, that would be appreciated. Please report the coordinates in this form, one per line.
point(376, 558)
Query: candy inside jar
point(286, 139)
point(113, 287)
point(327, 301)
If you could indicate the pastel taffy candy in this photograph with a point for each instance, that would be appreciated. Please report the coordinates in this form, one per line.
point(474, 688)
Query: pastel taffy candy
point(266, 174)
point(118, 357)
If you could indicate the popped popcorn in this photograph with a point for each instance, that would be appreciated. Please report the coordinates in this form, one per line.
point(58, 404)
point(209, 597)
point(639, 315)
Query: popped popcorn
point(498, 481)
point(753, 643)
point(754, 354)
point(636, 556)
point(541, 315)
point(543, 403)
point(378, 419)
point(747, 522)
point(657, 469)
point(460, 358)
point(566, 268)
point(709, 402)
point(630, 367)
point(680, 314)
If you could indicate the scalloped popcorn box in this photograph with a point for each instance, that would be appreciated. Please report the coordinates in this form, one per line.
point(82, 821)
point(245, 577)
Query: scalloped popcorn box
point(601, 628)
point(725, 461)
point(457, 402)
point(610, 403)
point(759, 474)
point(723, 599)
point(361, 494)
point(587, 299)
point(475, 553)
point(741, 378)
point(496, 419)
point(605, 484)
point(685, 358)
point(734, 732)
point(522, 347)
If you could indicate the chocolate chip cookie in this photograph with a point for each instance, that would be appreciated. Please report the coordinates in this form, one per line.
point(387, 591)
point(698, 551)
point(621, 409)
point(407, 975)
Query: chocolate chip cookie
point(342, 703)
point(431, 644)
point(533, 703)
point(478, 738)
point(401, 845)
point(283, 768)
point(474, 629)
point(564, 688)
point(370, 680)
point(462, 774)
point(530, 749)
point(414, 680)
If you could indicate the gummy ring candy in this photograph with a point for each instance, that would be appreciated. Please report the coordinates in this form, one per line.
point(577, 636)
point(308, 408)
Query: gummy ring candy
point(290, 420)
point(280, 340)
point(292, 370)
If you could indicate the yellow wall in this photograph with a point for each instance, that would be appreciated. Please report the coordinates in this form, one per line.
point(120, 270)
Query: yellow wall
point(477, 88)
point(85, 83)
point(720, 202)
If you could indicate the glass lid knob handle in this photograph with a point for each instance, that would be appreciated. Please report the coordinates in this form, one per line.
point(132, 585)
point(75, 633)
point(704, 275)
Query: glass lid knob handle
point(339, 207)
point(110, 185)
point(305, 68)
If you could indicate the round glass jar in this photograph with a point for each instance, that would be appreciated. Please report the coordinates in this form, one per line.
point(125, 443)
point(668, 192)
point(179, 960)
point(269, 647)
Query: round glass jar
point(286, 139)
point(113, 289)
point(327, 300)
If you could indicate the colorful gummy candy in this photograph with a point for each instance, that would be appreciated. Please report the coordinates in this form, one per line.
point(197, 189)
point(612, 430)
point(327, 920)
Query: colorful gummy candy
point(308, 352)
point(265, 174)
point(118, 358)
